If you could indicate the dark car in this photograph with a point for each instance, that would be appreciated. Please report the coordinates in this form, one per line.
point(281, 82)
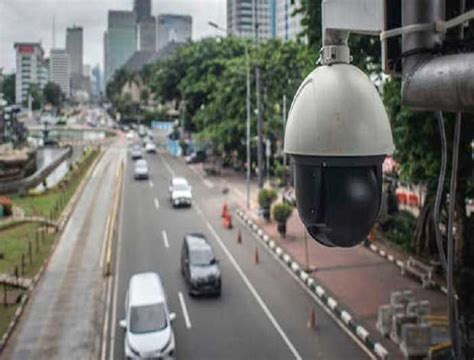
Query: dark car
point(200, 266)
point(196, 157)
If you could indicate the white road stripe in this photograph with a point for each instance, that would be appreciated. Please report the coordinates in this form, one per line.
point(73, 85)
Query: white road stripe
point(157, 204)
point(105, 328)
point(185, 310)
point(165, 239)
point(116, 273)
point(206, 182)
point(151, 183)
point(253, 291)
point(167, 165)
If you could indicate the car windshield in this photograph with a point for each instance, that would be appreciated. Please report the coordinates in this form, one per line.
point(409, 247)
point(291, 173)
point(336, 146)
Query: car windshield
point(201, 257)
point(147, 318)
point(181, 187)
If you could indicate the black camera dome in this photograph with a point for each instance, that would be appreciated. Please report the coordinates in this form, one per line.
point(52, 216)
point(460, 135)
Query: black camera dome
point(338, 199)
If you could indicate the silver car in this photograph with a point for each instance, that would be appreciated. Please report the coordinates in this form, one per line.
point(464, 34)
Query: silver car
point(141, 169)
point(147, 323)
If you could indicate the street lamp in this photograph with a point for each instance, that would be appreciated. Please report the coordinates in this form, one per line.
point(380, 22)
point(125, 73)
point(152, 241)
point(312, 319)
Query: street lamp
point(247, 57)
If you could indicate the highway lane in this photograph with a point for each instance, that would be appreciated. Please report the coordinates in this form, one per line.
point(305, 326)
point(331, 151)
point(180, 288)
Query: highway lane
point(262, 313)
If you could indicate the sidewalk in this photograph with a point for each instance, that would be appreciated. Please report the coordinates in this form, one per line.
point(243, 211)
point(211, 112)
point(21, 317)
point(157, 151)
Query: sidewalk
point(357, 278)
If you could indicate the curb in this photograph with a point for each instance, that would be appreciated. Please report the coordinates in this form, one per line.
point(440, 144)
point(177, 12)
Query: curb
point(400, 264)
point(66, 213)
point(359, 331)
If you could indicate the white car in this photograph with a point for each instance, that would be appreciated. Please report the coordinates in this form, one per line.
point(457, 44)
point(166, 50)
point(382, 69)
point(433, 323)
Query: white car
point(136, 152)
point(147, 323)
point(150, 148)
point(141, 169)
point(130, 135)
point(180, 192)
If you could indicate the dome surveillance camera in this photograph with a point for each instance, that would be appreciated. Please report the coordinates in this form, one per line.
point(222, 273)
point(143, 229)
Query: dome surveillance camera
point(338, 135)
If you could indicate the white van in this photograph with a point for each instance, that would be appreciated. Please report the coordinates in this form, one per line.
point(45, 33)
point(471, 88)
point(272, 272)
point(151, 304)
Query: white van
point(147, 323)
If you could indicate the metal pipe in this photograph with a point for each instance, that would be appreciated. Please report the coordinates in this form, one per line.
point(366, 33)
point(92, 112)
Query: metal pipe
point(432, 82)
point(248, 125)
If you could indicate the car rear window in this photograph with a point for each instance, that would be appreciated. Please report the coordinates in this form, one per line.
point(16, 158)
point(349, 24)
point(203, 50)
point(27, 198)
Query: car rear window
point(147, 318)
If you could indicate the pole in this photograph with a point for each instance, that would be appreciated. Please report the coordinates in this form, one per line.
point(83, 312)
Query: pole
point(248, 126)
point(259, 110)
point(284, 125)
point(306, 255)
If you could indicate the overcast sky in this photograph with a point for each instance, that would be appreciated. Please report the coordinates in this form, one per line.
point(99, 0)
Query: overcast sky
point(32, 21)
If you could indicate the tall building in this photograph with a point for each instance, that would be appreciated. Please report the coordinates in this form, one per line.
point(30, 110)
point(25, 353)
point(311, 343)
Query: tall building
point(120, 41)
point(59, 70)
point(97, 81)
point(173, 29)
point(30, 69)
point(142, 9)
point(240, 18)
point(106, 60)
point(146, 34)
point(287, 24)
point(74, 47)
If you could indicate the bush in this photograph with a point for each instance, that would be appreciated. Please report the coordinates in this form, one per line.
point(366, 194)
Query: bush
point(266, 197)
point(282, 174)
point(399, 228)
point(281, 212)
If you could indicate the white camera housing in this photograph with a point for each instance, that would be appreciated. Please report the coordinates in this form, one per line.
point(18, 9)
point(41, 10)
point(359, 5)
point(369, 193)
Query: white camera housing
point(338, 135)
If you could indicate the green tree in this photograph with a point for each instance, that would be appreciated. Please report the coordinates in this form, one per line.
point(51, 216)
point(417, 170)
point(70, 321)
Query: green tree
point(36, 95)
point(52, 94)
point(9, 88)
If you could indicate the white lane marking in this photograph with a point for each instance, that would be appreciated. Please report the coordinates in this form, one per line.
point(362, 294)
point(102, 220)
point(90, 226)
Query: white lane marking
point(167, 165)
point(157, 204)
point(320, 291)
point(106, 318)
point(151, 183)
point(165, 239)
point(206, 182)
point(252, 289)
point(117, 267)
point(104, 242)
point(184, 309)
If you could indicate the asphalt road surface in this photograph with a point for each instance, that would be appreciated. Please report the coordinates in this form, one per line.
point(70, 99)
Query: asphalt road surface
point(263, 311)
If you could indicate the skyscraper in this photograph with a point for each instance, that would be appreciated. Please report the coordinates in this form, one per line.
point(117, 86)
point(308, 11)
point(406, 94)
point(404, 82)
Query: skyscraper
point(74, 47)
point(59, 70)
point(146, 34)
point(240, 18)
point(288, 25)
point(30, 69)
point(142, 9)
point(173, 28)
point(120, 41)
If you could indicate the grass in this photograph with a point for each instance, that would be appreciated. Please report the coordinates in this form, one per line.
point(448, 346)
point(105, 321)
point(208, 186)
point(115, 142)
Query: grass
point(50, 203)
point(15, 241)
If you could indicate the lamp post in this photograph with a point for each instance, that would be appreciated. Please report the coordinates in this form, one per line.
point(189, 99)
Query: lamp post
point(247, 57)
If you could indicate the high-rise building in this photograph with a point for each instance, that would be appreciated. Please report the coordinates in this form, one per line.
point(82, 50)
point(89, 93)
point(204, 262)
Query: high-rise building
point(106, 59)
point(74, 47)
point(240, 18)
point(173, 29)
point(120, 41)
point(97, 81)
point(142, 9)
point(59, 70)
point(146, 34)
point(30, 69)
point(287, 24)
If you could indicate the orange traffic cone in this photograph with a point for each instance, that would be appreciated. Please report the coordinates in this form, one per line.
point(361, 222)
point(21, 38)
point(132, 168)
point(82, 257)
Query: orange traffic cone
point(239, 237)
point(257, 256)
point(224, 210)
point(312, 319)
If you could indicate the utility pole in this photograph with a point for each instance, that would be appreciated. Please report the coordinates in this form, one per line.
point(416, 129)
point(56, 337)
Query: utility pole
point(249, 163)
point(284, 124)
point(259, 106)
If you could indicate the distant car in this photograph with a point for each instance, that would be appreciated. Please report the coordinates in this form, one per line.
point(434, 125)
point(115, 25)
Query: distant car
point(147, 323)
point(130, 135)
point(141, 169)
point(180, 192)
point(199, 266)
point(150, 148)
point(48, 142)
point(196, 157)
point(136, 152)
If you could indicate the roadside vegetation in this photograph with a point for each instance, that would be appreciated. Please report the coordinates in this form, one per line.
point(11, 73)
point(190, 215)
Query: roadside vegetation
point(24, 247)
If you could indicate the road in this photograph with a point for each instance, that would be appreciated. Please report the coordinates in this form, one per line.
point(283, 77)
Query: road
point(63, 318)
point(263, 311)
